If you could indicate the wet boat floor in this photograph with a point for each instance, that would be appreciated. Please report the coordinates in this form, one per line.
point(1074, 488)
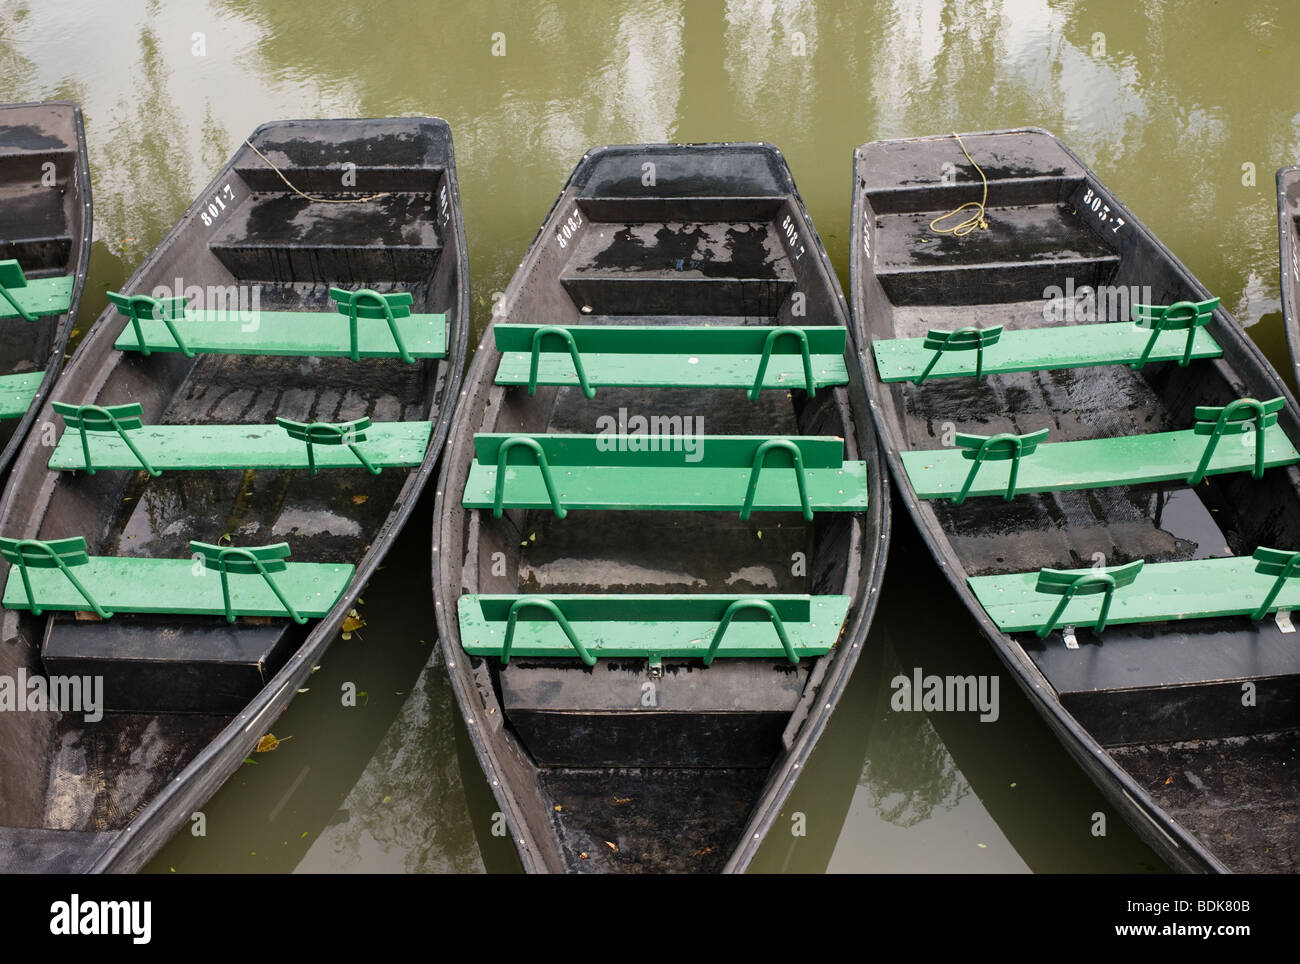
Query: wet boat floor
point(1241, 795)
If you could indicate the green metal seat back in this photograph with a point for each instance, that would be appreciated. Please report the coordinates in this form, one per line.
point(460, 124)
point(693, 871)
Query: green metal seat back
point(1275, 562)
point(1242, 415)
point(242, 560)
point(147, 307)
point(367, 303)
point(326, 433)
point(963, 339)
point(11, 274)
point(100, 418)
point(1057, 582)
point(1179, 316)
point(44, 554)
point(1000, 447)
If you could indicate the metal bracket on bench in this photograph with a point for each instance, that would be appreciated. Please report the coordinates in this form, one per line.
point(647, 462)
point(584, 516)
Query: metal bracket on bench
point(166, 310)
point(1180, 316)
point(999, 448)
point(760, 460)
point(262, 560)
point(330, 433)
point(121, 419)
point(1068, 584)
point(541, 602)
point(556, 331)
point(1282, 563)
point(762, 605)
point(785, 331)
point(368, 303)
point(1235, 418)
point(970, 338)
point(499, 498)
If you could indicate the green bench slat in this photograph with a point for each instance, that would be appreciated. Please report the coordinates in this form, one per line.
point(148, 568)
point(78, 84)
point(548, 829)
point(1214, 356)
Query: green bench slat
point(124, 584)
point(17, 393)
point(1196, 589)
point(387, 444)
point(322, 334)
point(1095, 463)
point(1040, 349)
point(672, 356)
point(40, 296)
point(602, 472)
point(630, 626)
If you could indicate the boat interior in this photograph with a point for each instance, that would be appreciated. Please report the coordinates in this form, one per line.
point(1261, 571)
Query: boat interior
point(1057, 250)
point(368, 207)
point(634, 767)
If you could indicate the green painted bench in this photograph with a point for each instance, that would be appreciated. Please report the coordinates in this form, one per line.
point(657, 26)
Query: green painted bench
point(1042, 601)
point(718, 473)
point(1241, 436)
point(1158, 333)
point(17, 393)
point(29, 299)
point(113, 437)
point(228, 581)
point(650, 627)
point(390, 330)
point(749, 357)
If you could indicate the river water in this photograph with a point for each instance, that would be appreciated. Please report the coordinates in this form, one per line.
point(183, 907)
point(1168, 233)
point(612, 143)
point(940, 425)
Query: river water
point(1184, 109)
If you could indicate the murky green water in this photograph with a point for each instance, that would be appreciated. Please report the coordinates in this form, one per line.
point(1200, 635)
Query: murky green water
point(1184, 108)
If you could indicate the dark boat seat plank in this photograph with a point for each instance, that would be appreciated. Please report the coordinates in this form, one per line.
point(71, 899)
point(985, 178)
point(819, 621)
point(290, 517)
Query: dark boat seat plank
point(200, 447)
point(700, 473)
point(1024, 250)
point(641, 626)
point(677, 356)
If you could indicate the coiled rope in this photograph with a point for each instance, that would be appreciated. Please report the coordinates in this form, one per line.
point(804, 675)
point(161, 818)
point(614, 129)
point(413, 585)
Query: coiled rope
point(976, 220)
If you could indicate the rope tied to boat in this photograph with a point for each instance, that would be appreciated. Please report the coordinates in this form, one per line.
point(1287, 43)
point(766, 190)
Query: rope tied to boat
point(976, 220)
point(310, 197)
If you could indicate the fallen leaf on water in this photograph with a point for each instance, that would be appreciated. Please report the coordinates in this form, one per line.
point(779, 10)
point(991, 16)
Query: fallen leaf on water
point(305, 689)
point(704, 852)
point(249, 759)
point(619, 801)
point(558, 808)
point(351, 623)
point(268, 743)
point(385, 800)
point(304, 835)
point(983, 846)
point(611, 846)
point(1168, 780)
point(359, 499)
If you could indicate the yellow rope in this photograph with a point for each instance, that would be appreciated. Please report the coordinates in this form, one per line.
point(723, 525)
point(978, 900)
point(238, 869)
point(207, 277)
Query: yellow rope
point(309, 197)
point(976, 220)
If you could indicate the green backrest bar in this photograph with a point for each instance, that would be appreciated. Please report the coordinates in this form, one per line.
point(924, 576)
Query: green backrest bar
point(674, 339)
point(1235, 418)
point(1283, 563)
point(997, 448)
point(970, 338)
point(119, 419)
point(44, 554)
point(11, 276)
point(367, 303)
point(101, 418)
point(713, 451)
point(1180, 316)
point(1068, 583)
point(243, 560)
point(330, 433)
point(52, 554)
point(166, 310)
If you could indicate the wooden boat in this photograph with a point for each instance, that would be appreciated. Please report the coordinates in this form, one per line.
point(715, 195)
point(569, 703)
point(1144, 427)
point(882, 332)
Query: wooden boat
point(45, 237)
point(650, 517)
point(1103, 500)
point(237, 443)
point(1288, 225)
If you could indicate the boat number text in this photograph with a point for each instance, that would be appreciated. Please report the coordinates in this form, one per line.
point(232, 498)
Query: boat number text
point(866, 237)
point(565, 232)
point(217, 206)
point(444, 204)
point(1093, 202)
point(792, 235)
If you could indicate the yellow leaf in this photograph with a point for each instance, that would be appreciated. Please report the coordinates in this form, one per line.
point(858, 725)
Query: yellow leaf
point(352, 622)
point(268, 743)
point(359, 499)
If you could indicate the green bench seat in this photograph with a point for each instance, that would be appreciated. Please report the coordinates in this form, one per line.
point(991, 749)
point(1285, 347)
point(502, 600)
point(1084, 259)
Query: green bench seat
point(1159, 333)
point(1242, 436)
point(651, 626)
point(1141, 593)
point(168, 325)
point(114, 438)
point(17, 393)
point(228, 581)
point(745, 356)
point(719, 473)
point(32, 298)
